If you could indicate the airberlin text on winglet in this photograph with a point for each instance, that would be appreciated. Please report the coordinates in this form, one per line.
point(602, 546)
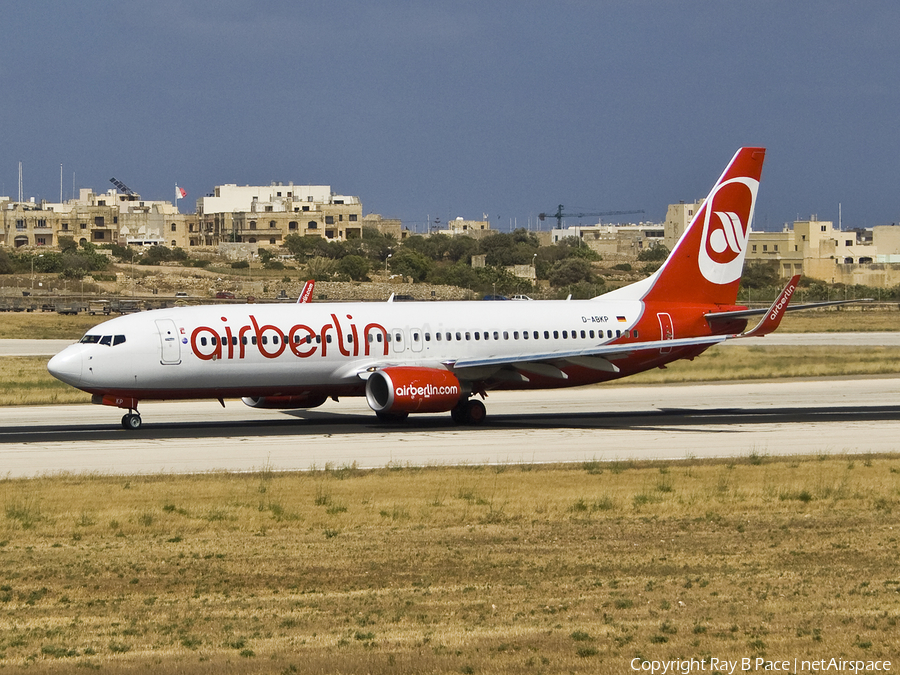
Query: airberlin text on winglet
point(782, 301)
point(747, 664)
point(233, 345)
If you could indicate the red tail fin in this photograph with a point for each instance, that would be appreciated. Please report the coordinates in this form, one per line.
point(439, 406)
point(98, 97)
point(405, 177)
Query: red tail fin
point(706, 264)
point(306, 293)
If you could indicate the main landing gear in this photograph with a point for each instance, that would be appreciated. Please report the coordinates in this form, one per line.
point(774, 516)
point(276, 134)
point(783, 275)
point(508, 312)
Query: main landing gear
point(131, 420)
point(470, 412)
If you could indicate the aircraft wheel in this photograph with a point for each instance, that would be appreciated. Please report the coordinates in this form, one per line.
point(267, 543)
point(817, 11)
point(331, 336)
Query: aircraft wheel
point(475, 412)
point(458, 413)
point(131, 421)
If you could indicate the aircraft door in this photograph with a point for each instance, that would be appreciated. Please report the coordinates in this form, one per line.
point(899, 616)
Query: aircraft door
point(170, 353)
point(398, 341)
point(666, 330)
point(415, 339)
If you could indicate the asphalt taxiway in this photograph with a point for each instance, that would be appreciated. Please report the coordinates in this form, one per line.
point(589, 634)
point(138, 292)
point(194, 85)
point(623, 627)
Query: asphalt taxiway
point(605, 423)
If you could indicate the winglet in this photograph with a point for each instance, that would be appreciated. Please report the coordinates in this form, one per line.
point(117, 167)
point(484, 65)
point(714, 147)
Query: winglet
point(776, 312)
point(306, 293)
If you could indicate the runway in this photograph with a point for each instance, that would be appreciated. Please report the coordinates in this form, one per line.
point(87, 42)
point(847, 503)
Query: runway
point(605, 423)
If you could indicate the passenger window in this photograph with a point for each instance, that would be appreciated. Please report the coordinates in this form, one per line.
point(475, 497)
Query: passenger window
point(377, 336)
point(515, 335)
point(583, 334)
point(591, 333)
point(427, 337)
point(459, 336)
point(556, 335)
point(635, 333)
point(398, 337)
point(202, 342)
point(525, 334)
point(327, 339)
point(468, 336)
point(496, 335)
point(506, 335)
point(318, 339)
point(309, 339)
point(234, 339)
point(565, 335)
point(536, 335)
point(477, 335)
point(437, 336)
point(243, 339)
point(350, 338)
point(253, 339)
point(618, 333)
point(90, 339)
point(118, 339)
point(449, 337)
point(546, 334)
point(609, 333)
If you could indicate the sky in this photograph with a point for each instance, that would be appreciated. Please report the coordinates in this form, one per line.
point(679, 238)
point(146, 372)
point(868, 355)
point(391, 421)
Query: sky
point(430, 110)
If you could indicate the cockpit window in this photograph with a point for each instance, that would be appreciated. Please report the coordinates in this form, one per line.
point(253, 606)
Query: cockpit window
point(107, 340)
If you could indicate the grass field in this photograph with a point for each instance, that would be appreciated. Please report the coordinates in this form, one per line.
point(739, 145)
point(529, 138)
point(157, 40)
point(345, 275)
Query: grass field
point(527, 569)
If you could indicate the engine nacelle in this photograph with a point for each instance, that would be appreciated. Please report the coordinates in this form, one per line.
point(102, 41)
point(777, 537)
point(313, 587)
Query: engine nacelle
point(407, 389)
point(285, 402)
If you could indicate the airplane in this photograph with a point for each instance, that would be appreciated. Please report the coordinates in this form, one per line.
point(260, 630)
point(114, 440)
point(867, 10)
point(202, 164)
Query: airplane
point(430, 357)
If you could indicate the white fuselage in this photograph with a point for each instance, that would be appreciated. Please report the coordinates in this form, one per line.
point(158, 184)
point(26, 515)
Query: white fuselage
point(269, 349)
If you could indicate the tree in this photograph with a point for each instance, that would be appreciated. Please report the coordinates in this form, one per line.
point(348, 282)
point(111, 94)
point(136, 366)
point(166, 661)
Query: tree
point(759, 274)
point(570, 271)
point(67, 244)
point(354, 266)
point(655, 253)
point(411, 264)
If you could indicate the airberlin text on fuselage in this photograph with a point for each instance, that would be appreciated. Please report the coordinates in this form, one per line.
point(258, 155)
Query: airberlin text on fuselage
point(270, 341)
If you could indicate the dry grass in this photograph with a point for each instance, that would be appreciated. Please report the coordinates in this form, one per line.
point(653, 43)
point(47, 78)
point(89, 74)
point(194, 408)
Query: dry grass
point(473, 570)
point(735, 362)
point(24, 380)
point(46, 325)
point(852, 318)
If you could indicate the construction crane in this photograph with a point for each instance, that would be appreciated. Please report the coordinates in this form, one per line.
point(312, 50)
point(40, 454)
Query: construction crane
point(559, 215)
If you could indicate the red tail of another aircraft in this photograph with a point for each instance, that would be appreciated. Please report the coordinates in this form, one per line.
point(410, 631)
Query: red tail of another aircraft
point(706, 264)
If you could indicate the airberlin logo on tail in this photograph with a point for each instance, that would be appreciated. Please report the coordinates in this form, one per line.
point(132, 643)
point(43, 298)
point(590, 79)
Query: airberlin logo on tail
point(726, 227)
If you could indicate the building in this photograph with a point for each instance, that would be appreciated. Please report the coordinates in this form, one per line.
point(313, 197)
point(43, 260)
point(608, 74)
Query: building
point(267, 214)
point(467, 228)
point(678, 217)
point(817, 249)
point(98, 218)
point(614, 242)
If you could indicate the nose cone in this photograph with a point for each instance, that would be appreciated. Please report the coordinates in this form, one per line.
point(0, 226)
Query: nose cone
point(66, 366)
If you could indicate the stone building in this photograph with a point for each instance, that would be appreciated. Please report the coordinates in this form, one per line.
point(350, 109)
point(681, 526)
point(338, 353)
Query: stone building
point(98, 218)
point(267, 214)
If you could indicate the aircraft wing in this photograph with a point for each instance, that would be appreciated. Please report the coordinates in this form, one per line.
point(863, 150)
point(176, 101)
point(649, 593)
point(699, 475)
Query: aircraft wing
point(601, 357)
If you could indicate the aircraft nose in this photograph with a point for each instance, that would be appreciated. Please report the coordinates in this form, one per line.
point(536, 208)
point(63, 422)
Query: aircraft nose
point(66, 366)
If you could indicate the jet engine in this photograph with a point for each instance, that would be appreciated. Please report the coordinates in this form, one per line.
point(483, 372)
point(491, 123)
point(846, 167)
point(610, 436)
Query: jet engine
point(407, 389)
point(285, 402)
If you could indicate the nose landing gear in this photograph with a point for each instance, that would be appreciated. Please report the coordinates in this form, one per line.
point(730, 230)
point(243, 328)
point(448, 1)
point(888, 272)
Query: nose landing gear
point(131, 420)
